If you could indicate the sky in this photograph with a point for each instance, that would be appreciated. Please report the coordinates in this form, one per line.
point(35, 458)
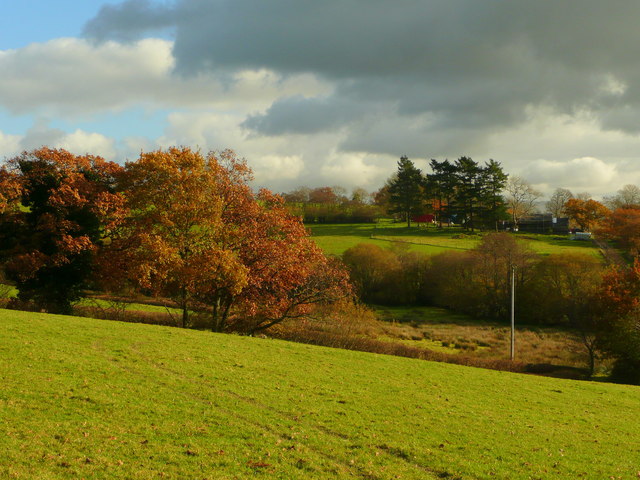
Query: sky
point(333, 92)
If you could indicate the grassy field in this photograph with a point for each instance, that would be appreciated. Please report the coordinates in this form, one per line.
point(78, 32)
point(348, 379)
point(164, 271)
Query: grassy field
point(336, 238)
point(97, 399)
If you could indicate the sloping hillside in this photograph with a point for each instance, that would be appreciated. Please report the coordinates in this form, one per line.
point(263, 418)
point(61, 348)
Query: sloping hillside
point(85, 398)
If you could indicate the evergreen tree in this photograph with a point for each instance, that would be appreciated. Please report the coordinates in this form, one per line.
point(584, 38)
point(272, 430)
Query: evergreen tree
point(441, 188)
point(493, 180)
point(406, 190)
point(469, 176)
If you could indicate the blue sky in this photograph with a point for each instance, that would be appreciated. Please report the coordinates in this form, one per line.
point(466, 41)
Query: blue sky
point(332, 93)
point(29, 21)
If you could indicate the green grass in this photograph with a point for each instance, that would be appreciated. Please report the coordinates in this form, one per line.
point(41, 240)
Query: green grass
point(336, 238)
point(82, 398)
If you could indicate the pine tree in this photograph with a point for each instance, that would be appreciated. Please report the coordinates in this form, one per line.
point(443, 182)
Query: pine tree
point(493, 181)
point(469, 190)
point(406, 190)
point(441, 188)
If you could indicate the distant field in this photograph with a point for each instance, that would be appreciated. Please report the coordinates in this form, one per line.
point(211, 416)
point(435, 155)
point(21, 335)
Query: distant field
point(336, 238)
point(82, 398)
point(444, 331)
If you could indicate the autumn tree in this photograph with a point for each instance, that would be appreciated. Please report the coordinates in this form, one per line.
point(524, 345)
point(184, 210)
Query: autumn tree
point(10, 190)
point(405, 190)
point(521, 199)
point(69, 205)
point(585, 213)
point(623, 226)
point(173, 241)
point(325, 195)
point(197, 233)
point(619, 321)
point(288, 275)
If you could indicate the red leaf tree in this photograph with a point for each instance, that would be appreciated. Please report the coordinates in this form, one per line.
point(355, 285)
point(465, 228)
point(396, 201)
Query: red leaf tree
point(197, 233)
point(68, 205)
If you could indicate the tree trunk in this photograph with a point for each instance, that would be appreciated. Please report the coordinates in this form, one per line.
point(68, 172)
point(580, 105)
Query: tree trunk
point(185, 309)
point(215, 315)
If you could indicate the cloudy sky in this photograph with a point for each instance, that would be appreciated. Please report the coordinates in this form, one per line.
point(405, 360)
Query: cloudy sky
point(332, 92)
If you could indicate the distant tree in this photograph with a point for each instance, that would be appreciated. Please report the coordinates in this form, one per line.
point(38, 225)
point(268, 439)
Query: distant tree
point(441, 186)
point(521, 199)
point(381, 198)
point(360, 196)
point(371, 267)
point(623, 226)
point(585, 213)
point(299, 195)
point(405, 190)
point(323, 195)
point(627, 197)
point(496, 255)
point(341, 193)
point(584, 196)
point(557, 201)
point(561, 291)
point(69, 205)
point(469, 190)
point(492, 183)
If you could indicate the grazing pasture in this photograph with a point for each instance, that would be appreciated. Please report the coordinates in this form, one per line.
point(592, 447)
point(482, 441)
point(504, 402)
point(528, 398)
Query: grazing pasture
point(83, 398)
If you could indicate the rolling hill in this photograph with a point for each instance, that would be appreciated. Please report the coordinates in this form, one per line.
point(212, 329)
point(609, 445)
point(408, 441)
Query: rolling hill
point(85, 398)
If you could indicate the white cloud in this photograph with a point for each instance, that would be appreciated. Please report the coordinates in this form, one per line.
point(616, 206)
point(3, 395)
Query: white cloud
point(80, 143)
point(273, 167)
point(9, 145)
point(577, 174)
point(74, 77)
point(352, 170)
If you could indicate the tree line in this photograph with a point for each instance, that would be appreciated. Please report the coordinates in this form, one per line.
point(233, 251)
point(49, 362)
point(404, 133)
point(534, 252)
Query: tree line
point(462, 192)
point(174, 223)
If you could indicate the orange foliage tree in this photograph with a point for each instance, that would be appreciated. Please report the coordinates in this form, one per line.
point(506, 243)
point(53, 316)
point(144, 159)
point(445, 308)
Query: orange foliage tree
point(586, 213)
point(69, 204)
point(197, 233)
point(619, 322)
point(623, 225)
point(10, 190)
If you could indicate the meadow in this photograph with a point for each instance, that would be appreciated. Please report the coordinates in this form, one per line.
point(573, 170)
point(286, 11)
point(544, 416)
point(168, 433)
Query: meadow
point(83, 398)
point(334, 239)
point(441, 330)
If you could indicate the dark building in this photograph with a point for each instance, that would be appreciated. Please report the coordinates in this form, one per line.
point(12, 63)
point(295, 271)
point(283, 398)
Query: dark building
point(544, 223)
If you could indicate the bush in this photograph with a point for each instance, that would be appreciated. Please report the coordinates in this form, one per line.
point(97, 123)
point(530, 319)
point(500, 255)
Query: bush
point(626, 370)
